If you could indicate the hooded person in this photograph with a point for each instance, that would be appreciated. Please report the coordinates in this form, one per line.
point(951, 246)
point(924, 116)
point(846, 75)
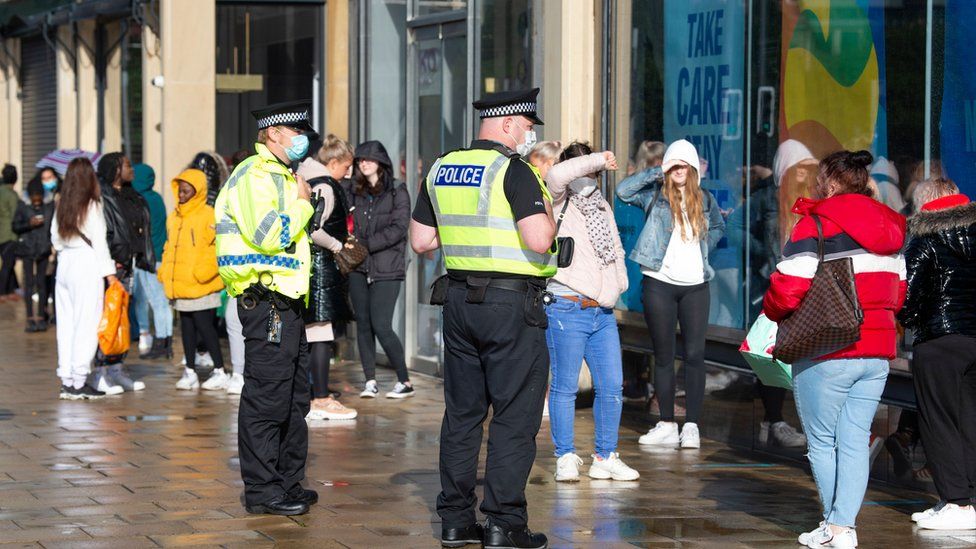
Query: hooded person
point(147, 292)
point(189, 271)
point(885, 176)
point(214, 166)
point(683, 225)
point(795, 173)
point(380, 208)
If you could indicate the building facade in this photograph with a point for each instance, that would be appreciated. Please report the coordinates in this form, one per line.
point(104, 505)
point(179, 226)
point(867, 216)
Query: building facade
point(759, 86)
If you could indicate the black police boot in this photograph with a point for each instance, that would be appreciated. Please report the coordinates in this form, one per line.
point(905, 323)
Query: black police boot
point(281, 505)
point(308, 497)
point(500, 537)
point(459, 537)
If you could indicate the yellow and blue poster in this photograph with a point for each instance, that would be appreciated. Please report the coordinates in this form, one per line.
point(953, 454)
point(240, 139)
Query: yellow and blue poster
point(958, 120)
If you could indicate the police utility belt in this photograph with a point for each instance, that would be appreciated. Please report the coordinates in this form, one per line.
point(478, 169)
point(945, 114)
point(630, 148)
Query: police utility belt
point(260, 293)
point(536, 296)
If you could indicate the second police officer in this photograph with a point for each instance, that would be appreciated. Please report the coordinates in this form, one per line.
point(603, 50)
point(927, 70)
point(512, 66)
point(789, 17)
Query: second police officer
point(491, 215)
point(263, 257)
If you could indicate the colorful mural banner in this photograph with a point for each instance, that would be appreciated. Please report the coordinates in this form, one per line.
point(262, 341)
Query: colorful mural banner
point(833, 79)
point(958, 121)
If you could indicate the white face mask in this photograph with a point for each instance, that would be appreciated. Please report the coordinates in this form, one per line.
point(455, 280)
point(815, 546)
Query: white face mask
point(524, 148)
point(583, 186)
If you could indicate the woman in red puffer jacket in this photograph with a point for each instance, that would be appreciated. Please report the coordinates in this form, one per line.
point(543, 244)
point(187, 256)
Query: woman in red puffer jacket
point(837, 394)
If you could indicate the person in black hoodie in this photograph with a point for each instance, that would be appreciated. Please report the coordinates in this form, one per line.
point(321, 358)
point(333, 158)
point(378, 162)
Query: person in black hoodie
point(129, 234)
point(940, 306)
point(380, 208)
point(32, 224)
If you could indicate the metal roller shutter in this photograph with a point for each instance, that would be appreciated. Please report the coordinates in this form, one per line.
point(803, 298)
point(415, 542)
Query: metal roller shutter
point(39, 86)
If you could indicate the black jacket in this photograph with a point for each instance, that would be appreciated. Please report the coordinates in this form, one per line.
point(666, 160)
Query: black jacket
point(380, 221)
point(328, 291)
point(941, 262)
point(33, 242)
point(128, 228)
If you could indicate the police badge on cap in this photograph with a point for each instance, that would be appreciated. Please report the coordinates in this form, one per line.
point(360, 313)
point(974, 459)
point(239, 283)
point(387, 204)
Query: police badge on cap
point(294, 114)
point(510, 103)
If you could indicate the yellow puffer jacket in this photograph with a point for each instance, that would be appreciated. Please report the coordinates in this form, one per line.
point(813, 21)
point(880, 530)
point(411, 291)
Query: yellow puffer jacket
point(189, 268)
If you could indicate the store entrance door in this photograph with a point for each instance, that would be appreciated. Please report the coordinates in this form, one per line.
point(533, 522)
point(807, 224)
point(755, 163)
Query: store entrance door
point(439, 103)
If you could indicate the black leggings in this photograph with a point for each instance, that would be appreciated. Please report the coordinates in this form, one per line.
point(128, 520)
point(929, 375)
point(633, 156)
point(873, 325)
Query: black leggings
point(8, 280)
point(320, 354)
point(200, 326)
point(665, 306)
point(373, 305)
point(772, 399)
point(35, 279)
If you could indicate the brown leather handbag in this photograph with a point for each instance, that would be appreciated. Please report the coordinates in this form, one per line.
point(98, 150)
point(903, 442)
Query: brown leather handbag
point(352, 255)
point(829, 317)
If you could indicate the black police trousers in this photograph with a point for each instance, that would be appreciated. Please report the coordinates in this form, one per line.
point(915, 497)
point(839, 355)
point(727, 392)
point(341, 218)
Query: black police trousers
point(272, 436)
point(491, 358)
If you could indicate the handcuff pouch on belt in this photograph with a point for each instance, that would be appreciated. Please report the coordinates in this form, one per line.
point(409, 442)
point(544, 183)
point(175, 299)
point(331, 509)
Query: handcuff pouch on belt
point(256, 293)
point(438, 290)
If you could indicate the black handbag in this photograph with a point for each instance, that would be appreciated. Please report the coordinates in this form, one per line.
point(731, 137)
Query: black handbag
point(565, 245)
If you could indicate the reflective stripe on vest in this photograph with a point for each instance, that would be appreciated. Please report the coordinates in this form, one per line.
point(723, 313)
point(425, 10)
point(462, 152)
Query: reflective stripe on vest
point(477, 229)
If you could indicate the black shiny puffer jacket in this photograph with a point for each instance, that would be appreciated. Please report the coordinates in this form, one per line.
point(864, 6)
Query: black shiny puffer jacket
point(941, 262)
point(128, 229)
point(328, 290)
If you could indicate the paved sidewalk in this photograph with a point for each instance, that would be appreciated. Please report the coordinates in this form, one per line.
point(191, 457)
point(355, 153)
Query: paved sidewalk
point(160, 468)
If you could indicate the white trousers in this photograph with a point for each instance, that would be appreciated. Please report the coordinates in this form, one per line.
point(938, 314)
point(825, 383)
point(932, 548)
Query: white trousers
point(80, 295)
point(235, 335)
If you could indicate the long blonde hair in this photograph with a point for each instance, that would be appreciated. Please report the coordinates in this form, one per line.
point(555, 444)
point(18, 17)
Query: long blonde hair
point(692, 198)
point(649, 153)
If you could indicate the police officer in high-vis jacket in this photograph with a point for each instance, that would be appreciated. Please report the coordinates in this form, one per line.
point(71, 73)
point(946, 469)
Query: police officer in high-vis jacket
point(263, 258)
point(490, 214)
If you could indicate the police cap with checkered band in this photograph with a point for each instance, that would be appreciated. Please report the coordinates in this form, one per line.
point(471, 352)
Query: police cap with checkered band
point(294, 114)
point(510, 103)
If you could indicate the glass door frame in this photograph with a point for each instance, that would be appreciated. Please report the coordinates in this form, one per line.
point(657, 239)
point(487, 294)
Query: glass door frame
point(415, 26)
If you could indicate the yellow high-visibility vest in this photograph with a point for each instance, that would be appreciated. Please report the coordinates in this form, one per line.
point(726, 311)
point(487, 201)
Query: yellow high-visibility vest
point(475, 223)
point(261, 228)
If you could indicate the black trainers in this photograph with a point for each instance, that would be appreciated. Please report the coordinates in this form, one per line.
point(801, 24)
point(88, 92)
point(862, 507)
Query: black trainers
point(500, 537)
point(69, 393)
point(88, 392)
point(459, 537)
point(401, 390)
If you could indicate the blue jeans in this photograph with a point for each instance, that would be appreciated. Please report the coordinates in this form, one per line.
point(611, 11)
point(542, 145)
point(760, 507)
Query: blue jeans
point(148, 292)
point(574, 334)
point(837, 400)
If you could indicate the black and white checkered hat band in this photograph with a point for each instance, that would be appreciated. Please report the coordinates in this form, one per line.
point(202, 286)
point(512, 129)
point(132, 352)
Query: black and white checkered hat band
point(282, 119)
point(509, 110)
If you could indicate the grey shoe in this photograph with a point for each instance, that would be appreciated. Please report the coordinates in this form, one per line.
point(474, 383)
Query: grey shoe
point(117, 376)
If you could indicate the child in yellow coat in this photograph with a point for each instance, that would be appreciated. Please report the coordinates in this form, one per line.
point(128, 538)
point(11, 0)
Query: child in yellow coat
point(189, 274)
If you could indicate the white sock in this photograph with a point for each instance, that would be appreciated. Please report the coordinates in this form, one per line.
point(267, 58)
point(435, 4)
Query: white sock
point(79, 381)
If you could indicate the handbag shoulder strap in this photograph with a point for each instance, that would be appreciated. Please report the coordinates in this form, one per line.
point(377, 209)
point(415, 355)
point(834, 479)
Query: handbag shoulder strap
point(820, 239)
point(562, 213)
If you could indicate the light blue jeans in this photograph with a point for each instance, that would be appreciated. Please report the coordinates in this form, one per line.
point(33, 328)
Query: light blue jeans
point(147, 291)
point(837, 400)
point(574, 334)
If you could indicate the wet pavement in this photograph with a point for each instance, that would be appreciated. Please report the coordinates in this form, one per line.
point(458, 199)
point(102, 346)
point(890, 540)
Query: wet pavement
point(159, 468)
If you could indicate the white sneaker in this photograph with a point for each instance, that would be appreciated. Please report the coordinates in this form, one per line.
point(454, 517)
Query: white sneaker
point(204, 360)
point(690, 437)
point(370, 390)
point(783, 434)
point(145, 342)
point(951, 517)
point(612, 467)
point(109, 390)
point(189, 381)
point(216, 382)
point(567, 468)
point(330, 408)
point(665, 433)
point(928, 512)
point(806, 537)
point(846, 539)
point(235, 385)
point(401, 390)
point(718, 381)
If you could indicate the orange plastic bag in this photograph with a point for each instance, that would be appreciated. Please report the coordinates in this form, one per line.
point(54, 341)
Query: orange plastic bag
point(113, 329)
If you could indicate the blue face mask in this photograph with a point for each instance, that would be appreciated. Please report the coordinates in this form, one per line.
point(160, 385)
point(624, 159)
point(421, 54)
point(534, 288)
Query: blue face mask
point(298, 148)
point(49, 184)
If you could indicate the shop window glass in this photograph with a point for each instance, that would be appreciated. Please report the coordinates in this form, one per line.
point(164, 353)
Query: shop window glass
point(386, 79)
point(504, 45)
point(430, 7)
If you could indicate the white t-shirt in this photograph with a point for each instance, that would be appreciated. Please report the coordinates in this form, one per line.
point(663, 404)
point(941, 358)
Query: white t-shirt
point(682, 264)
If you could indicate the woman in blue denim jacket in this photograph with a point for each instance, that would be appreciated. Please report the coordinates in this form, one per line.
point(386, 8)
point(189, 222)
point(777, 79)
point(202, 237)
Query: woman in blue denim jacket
point(676, 275)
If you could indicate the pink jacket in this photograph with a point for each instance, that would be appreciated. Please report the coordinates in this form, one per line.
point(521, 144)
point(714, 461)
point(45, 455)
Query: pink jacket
point(586, 275)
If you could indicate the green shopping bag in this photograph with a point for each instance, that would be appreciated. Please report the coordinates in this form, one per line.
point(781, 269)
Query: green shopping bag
point(757, 350)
